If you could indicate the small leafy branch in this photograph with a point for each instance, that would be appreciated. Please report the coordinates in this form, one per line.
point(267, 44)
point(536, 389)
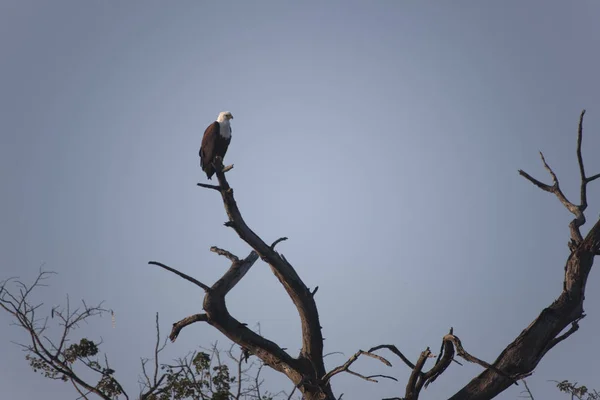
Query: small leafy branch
point(201, 375)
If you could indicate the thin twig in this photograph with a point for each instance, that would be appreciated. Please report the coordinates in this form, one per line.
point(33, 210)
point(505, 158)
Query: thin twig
point(394, 350)
point(224, 253)
point(370, 378)
point(583, 186)
point(181, 274)
point(593, 178)
point(350, 361)
point(292, 393)
point(527, 390)
point(156, 350)
point(206, 185)
point(382, 376)
point(281, 239)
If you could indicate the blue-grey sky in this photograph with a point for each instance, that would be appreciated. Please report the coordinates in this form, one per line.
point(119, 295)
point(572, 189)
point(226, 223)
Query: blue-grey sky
point(383, 138)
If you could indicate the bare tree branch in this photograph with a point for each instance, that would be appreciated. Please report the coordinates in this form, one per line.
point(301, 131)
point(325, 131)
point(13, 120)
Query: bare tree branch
point(83, 395)
point(218, 316)
point(555, 189)
point(224, 253)
point(59, 361)
point(463, 353)
point(178, 326)
point(345, 367)
point(207, 186)
point(419, 379)
point(304, 370)
point(527, 391)
point(521, 356)
point(413, 387)
point(181, 274)
point(155, 386)
point(515, 362)
point(233, 275)
point(312, 340)
point(292, 393)
point(394, 350)
point(370, 377)
point(157, 350)
point(281, 239)
point(593, 178)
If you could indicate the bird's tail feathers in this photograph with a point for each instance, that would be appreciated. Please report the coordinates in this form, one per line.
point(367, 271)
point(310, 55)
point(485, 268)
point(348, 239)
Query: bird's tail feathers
point(209, 171)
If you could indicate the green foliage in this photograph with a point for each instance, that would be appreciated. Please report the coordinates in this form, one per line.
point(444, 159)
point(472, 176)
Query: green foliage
point(86, 348)
point(577, 392)
point(198, 376)
point(109, 386)
point(201, 376)
point(197, 380)
point(37, 364)
point(78, 351)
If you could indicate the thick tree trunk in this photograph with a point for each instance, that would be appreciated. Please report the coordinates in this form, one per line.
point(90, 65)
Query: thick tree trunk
point(527, 350)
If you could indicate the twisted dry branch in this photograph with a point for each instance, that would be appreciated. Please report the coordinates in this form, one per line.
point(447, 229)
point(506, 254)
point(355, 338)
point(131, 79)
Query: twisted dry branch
point(224, 253)
point(522, 356)
point(345, 367)
point(577, 210)
point(178, 326)
point(304, 370)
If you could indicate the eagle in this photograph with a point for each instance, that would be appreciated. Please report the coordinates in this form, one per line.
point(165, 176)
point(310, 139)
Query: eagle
point(215, 142)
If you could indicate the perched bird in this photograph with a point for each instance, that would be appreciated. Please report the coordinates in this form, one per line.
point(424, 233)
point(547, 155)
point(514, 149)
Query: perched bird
point(215, 142)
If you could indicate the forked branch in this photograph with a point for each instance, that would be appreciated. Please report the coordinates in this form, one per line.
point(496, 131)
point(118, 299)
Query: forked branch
point(305, 370)
point(577, 210)
point(521, 356)
point(394, 350)
point(419, 379)
point(345, 367)
point(218, 315)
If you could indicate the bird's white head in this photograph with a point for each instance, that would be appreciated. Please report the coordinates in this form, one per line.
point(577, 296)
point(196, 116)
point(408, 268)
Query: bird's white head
point(224, 116)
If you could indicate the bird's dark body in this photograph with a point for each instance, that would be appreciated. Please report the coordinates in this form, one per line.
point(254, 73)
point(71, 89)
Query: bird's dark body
point(213, 145)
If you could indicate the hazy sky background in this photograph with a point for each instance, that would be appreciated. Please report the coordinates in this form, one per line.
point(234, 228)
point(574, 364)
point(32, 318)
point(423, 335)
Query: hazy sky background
point(383, 138)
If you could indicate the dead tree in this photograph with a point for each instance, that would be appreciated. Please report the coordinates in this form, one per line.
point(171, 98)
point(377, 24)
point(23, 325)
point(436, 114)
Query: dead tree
point(520, 358)
point(307, 370)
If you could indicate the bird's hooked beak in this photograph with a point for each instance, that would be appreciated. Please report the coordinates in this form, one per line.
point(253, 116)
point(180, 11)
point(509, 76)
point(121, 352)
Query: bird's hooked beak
point(232, 117)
